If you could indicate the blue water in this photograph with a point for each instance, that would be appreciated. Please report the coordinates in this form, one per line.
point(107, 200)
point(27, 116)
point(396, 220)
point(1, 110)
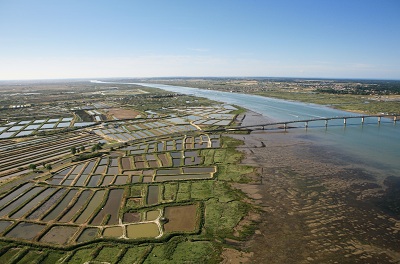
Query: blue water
point(376, 145)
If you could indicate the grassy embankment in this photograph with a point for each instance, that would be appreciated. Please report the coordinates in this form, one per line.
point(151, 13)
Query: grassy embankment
point(365, 104)
point(223, 209)
point(354, 103)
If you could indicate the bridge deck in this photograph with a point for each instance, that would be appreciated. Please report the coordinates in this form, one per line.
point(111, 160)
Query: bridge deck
point(314, 119)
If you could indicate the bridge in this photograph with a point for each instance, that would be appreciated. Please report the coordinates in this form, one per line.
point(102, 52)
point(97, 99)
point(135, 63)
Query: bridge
point(286, 124)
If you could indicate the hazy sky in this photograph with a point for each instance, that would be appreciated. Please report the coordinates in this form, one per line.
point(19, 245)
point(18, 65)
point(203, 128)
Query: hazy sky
point(150, 38)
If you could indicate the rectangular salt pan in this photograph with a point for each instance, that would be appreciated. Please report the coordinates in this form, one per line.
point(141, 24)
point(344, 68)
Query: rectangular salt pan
point(24, 133)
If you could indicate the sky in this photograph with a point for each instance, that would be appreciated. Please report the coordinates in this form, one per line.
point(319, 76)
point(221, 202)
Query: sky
point(47, 39)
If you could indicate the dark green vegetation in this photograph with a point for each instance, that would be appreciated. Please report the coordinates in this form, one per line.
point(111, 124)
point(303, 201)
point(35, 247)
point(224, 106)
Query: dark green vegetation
point(140, 190)
point(220, 210)
point(85, 156)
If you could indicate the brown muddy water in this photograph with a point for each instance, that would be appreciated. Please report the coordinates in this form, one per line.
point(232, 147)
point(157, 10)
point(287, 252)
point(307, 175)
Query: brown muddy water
point(78, 168)
point(54, 181)
point(72, 176)
point(64, 172)
point(93, 181)
point(114, 163)
point(189, 146)
point(147, 179)
point(4, 225)
point(107, 180)
point(100, 169)
point(121, 180)
point(126, 163)
point(181, 218)
point(25, 230)
point(89, 167)
point(176, 155)
point(20, 200)
point(88, 234)
point(112, 170)
point(94, 203)
point(33, 203)
point(176, 162)
point(152, 215)
point(111, 208)
point(164, 160)
point(103, 161)
point(82, 179)
point(192, 161)
point(67, 182)
point(140, 164)
point(199, 170)
point(168, 172)
point(130, 218)
point(191, 153)
point(135, 179)
point(59, 235)
point(15, 193)
point(115, 231)
point(160, 146)
point(138, 158)
point(83, 198)
point(215, 143)
point(152, 194)
point(47, 205)
point(61, 206)
point(148, 172)
point(153, 164)
point(150, 157)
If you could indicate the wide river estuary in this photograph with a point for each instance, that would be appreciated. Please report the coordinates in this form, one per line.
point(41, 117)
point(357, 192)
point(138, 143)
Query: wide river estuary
point(377, 145)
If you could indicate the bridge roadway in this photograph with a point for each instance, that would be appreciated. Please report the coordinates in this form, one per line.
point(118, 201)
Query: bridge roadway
point(306, 121)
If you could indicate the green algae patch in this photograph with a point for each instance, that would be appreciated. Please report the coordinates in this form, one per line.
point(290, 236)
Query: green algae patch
point(115, 231)
point(145, 230)
point(152, 215)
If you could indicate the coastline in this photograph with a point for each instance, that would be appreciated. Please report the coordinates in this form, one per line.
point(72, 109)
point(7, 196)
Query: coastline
point(333, 101)
point(315, 206)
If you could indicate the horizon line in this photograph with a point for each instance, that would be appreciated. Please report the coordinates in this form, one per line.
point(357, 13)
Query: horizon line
point(205, 77)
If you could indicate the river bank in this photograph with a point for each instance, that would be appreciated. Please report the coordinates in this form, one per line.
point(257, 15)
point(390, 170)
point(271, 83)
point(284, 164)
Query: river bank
point(323, 92)
point(316, 205)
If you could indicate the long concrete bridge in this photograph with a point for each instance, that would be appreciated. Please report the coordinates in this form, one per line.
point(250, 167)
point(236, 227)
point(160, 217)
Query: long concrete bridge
point(286, 124)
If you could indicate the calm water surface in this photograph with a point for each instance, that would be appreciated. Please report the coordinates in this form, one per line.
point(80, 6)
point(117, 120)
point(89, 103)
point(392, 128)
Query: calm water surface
point(373, 144)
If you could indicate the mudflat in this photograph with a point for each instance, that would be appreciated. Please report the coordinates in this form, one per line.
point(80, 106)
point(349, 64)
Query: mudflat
point(315, 206)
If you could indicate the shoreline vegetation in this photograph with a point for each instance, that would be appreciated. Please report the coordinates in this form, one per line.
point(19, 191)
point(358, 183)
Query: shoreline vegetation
point(67, 197)
point(360, 96)
point(274, 198)
point(316, 206)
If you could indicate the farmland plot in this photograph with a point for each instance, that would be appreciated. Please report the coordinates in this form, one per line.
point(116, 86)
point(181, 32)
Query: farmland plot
point(92, 199)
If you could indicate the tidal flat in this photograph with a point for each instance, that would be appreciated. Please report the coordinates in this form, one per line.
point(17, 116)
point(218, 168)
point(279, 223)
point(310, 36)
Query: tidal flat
point(316, 205)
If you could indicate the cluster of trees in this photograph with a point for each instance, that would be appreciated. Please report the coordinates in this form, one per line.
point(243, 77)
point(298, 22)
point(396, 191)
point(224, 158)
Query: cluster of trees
point(74, 150)
point(96, 147)
point(34, 167)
